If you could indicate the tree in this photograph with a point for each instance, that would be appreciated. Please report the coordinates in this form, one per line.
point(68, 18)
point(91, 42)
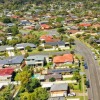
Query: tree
point(61, 30)
point(72, 52)
point(26, 55)
point(28, 48)
point(40, 48)
point(52, 79)
point(40, 94)
point(76, 76)
point(32, 84)
point(59, 19)
point(6, 20)
point(23, 76)
point(78, 35)
point(14, 30)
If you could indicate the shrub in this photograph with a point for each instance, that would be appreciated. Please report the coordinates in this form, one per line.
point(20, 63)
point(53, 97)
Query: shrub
point(48, 46)
point(52, 79)
point(40, 48)
point(28, 48)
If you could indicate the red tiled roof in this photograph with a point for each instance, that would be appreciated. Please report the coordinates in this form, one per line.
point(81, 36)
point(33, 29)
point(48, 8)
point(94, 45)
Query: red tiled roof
point(45, 26)
point(6, 71)
point(64, 58)
point(48, 38)
point(85, 24)
point(14, 16)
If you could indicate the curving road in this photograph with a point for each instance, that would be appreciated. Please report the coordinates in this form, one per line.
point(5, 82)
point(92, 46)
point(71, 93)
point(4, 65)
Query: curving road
point(93, 71)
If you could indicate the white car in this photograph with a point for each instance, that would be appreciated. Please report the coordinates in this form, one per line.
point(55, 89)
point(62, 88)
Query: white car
point(71, 94)
point(95, 57)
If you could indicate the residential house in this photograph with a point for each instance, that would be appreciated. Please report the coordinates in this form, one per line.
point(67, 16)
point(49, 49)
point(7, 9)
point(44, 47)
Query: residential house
point(58, 71)
point(6, 48)
point(56, 44)
point(25, 23)
point(65, 59)
point(57, 77)
point(60, 89)
point(45, 26)
point(57, 98)
point(6, 74)
point(73, 31)
point(98, 41)
point(36, 60)
point(10, 24)
point(14, 16)
point(85, 25)
point(96, 26)
point(30, 27)
point(46, 38)
point(15, 62)
point(22, 46)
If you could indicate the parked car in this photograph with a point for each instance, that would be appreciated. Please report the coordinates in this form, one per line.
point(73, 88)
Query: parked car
point(85, 65)
point(88, 84)
point(72, 94)
point(95, 57)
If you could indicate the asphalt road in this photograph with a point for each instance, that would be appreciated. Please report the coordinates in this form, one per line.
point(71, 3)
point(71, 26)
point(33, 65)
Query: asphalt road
point(93, 71)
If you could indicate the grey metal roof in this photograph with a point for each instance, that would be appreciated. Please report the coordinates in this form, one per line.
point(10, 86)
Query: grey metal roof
point(25, 45)
point(60, 70)
point(12, 60)
point(56, 76)
point(30, 62)
point(59, 87)
point(3, 48)
point(98, 41)
point(36, 57)
point(59, 43)
point(57, 98)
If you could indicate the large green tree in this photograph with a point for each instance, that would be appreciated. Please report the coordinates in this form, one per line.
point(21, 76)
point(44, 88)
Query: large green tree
point(32, 84)
point(40, 94)
point(23, 77)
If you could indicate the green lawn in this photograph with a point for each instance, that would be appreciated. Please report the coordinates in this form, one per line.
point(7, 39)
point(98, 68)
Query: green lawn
point(39, 33)
point(68, 79)
point(76, 86)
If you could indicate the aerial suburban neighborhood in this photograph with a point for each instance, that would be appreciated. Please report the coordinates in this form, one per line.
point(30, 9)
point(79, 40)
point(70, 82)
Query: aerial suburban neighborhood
point(49, 49)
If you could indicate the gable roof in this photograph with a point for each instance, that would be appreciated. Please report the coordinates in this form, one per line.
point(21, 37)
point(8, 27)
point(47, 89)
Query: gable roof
point(57, 43)
point(55, 75)
point(3, 48)
point(45, 26)
point(48, 38)
point(57, 98)
point(23, 45)
point(35, 57)
point(97, 41)
point(64, 58)
point(60, 70)
point(85, 24)
point(59, 87)
point(6, 71)
point(12, 60)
